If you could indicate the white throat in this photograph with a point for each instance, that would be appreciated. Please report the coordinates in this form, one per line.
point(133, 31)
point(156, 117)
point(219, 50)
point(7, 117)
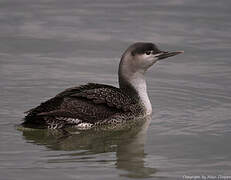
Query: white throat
point(139, 84)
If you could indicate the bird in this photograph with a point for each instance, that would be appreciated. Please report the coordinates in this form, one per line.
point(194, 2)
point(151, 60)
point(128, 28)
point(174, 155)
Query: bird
point(94, 105)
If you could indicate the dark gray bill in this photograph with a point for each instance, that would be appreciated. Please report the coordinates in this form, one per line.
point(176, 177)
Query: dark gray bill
point(168, 54)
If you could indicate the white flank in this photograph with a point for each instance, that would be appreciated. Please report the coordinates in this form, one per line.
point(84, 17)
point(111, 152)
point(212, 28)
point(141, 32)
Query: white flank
point(84, 126)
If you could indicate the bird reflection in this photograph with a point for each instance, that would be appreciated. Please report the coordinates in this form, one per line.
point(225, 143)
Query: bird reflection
point(127, 142)
point(131, 156)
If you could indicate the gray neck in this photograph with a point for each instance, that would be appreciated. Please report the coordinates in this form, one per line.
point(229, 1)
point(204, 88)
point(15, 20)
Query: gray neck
point(133, 83)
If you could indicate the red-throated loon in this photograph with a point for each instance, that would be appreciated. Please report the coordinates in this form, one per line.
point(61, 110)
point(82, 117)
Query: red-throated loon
point(98, 104)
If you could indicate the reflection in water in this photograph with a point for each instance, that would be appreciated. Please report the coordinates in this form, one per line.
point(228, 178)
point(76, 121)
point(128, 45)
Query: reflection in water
point(127, 143)
point(131, 155)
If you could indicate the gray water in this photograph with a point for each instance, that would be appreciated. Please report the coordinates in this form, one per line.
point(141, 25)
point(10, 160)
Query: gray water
point(49, 45)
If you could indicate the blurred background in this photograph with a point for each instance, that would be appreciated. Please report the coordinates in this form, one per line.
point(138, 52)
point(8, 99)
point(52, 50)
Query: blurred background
point(47, 46)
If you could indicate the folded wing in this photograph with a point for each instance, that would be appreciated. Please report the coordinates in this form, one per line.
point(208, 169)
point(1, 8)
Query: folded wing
point(89, 103)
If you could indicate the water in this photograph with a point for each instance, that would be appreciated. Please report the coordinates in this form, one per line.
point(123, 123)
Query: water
point(47, 46)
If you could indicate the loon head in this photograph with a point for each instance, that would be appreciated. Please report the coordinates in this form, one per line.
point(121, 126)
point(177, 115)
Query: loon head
point(142, 55)
point(134, 63)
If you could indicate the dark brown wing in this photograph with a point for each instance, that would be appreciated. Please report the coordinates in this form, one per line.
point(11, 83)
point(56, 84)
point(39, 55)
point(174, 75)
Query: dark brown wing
point(88, 103)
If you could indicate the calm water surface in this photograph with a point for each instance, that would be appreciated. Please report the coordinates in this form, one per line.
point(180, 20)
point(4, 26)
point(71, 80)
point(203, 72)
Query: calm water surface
point(47, 46)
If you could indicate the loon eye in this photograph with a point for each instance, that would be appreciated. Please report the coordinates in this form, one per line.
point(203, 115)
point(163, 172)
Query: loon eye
point(148, 52)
